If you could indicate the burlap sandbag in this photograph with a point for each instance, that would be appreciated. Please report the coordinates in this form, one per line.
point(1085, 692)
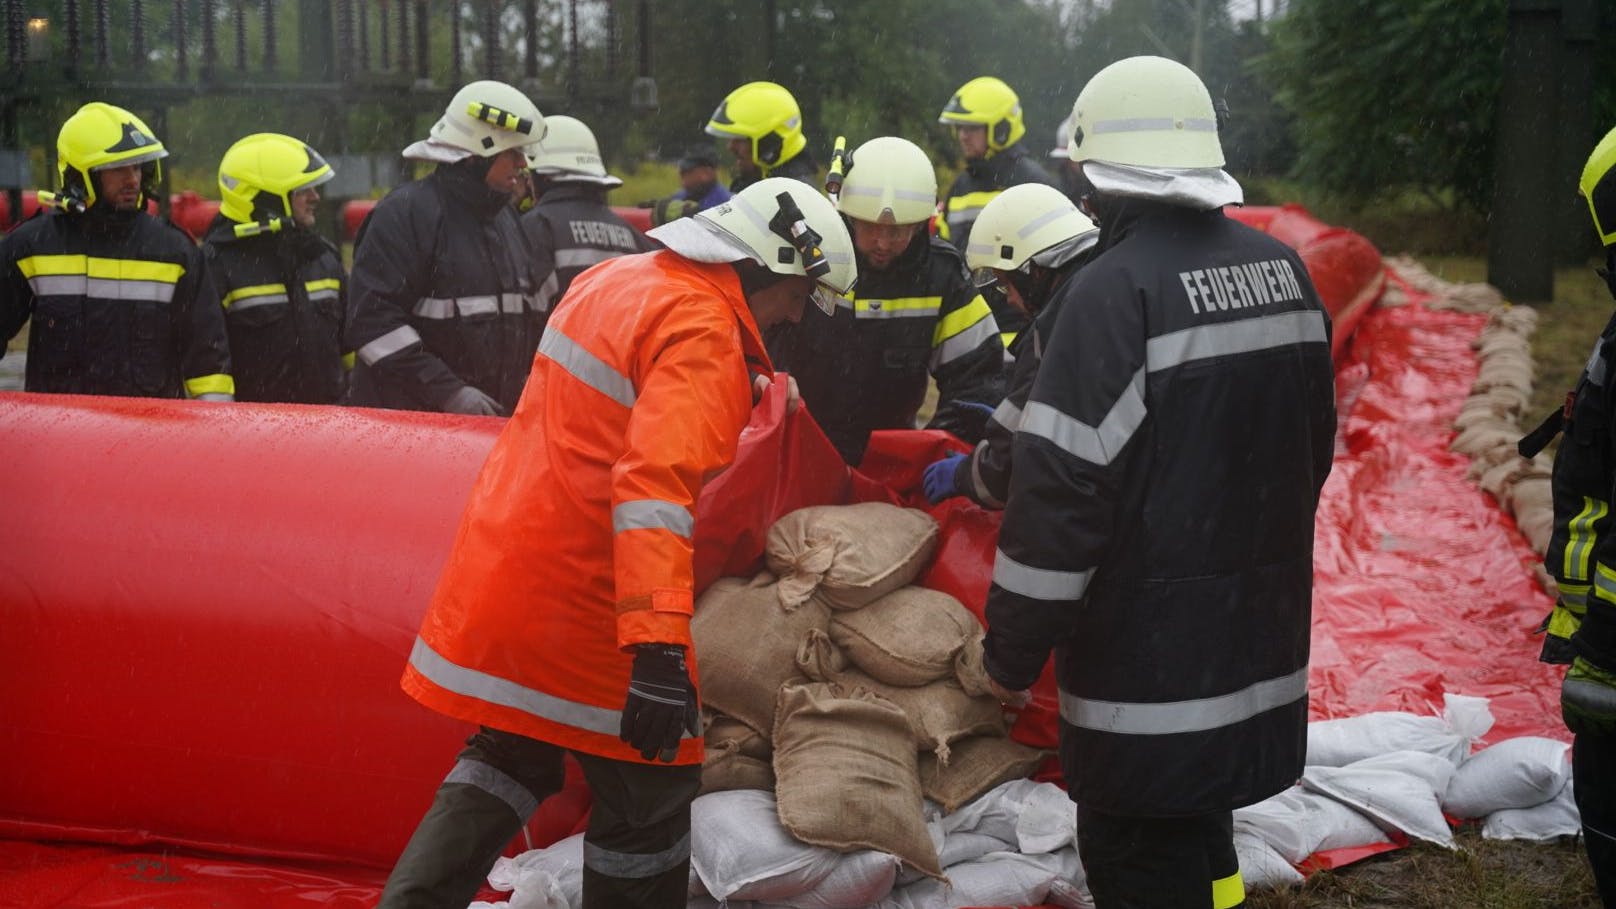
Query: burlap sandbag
point(939, 713)
point(746, 646)
point(726, 732)
point(845, 774)
point(978, 764)
point(911, 636)
point(723, 769)
point(849, 555)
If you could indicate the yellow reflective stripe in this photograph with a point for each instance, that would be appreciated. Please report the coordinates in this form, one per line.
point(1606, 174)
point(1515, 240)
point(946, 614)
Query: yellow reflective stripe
point(95, 267)
point(219, 384)
point(898, 306)
point(1580, 542)
point(1228, 892)
point(1604, 583)
point(960, 319)
point(348, 360)
point(965, 201)
point(1008, 337)
point(323, 284)
point(1563, 622)
point(256, 290)
point(942, 229)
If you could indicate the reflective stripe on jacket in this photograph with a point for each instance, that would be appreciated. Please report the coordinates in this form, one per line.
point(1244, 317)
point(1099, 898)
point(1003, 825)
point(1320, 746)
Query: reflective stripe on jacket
point(570, 229)
point(121, 304)
point(283, 298)
point(576, 542)
point(441, 296)
point(1159, 532)
point(867, 367)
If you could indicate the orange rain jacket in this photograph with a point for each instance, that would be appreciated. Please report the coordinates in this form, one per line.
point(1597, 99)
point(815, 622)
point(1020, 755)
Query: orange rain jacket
point(576, 543)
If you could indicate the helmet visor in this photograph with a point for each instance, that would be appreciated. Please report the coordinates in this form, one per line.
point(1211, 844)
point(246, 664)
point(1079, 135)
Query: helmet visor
point(153, 155)
point(318, 180)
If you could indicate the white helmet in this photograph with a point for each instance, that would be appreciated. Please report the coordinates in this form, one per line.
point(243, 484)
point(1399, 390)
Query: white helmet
point(779, 223)
point(1146, 112)
point(488, 117)
point(889, 181)
point(1063, 138)
point(569, 153)
point(1029, 222)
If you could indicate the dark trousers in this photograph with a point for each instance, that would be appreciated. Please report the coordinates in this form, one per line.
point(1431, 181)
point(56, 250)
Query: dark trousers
point(636, 849)
point(1593, 774)
point(1160, 863)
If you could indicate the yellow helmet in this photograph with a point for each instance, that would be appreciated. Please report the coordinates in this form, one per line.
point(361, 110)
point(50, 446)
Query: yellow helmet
point(766, 114)
point(889, 181)
point(987, 101)
point(1598, 186)
point(99, 136)
point(258, 175)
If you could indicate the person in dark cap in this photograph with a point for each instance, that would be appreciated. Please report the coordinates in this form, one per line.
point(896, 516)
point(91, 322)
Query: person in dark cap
point(698, 177)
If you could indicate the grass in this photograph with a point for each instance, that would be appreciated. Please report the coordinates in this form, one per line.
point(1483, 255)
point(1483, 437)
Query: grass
point(1481, 874)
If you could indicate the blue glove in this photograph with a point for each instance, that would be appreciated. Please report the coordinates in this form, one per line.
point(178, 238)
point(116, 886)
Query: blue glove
point(939, 483)
point(1588, 699)
point(985, 409)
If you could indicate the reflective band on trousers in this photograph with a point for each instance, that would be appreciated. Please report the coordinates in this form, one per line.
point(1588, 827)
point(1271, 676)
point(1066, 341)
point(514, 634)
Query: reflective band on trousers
point(506, 693)
point(652, 514)
point(1228, 892)
point(634, 864)
point(388, 344)
point(586, 367)
point(1176, 717)
point(1038, 583)
point(495, 782)
point(1095, 444)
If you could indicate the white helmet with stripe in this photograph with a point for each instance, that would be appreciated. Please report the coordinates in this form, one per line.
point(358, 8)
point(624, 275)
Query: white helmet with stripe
point(1029, 222)
point(889, 181)
point(569, 153)
point(1146, 112)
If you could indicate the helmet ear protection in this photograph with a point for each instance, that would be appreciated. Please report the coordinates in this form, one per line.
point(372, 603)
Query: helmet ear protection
point(768, 148)
point(1001, 133)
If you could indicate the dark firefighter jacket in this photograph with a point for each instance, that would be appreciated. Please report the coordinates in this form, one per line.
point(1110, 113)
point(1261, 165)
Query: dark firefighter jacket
point(283, 305)
point(984, 477)
point(441, 296)
point(1582, 552)
point(866, 367)
point(1159, 531)
point(802, 168)
point(571, 228)
point(121, 305)
point(977, 185)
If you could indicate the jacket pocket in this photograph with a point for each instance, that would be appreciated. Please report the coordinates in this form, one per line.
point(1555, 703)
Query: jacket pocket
point(150, 346)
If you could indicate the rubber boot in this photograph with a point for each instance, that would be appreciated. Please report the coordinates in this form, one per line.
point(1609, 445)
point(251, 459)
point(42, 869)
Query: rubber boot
point(450, 854)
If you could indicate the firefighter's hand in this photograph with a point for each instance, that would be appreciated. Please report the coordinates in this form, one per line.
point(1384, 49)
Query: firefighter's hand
point(471, 400)
point(661, 703)
point(940, 478)
point(760, 387)
point(1015, 700)
point(1588, 699)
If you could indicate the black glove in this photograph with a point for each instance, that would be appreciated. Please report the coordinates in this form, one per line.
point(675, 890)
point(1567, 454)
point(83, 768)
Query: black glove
point(661, 702)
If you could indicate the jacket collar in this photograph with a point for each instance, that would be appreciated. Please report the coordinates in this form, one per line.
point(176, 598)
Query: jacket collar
point(462, 182)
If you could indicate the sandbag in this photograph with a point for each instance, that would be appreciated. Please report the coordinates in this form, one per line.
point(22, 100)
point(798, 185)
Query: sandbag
point(849, 555)
point(996, 879)
point(1543, 823)
point(1261, 868)
point(726, 732)
point(549, 878)
point(1297, 823)
point(911, 636)
point(975, 766)
point(1515, 773)
point(845, 774)
point(1398, 791)
point(746, 646)
point(1336, 743)
point(725, 769)
point(939, 713)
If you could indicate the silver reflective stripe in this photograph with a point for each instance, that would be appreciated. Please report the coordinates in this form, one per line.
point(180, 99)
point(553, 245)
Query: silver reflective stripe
point(635, 864)
point(1007, 414)
point(652, 514)
point(963, 343)
point(875, 192)
point(1221, 339)
point(261, 300)
point(105, 288)
point(326, 294)
point(547, 292)
point(1097, 445)
point(586, 367)
point(512, 303)
point(1038, 583)
point(962, 217)
point(583, 258)
point(388, 344)
point(1596, 365)
point(495, 782)
point(477, 306)
point(506, 693)
point(1143, 124)
point(1038, 222)
point(435, 308)
point(1175, 717)
point(440, 308)
point(983, 494)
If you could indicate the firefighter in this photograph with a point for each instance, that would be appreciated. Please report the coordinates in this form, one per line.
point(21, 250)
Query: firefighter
point(763, 126)
point(281, 283)
point(1065, 172)
point(443, 310)
point(986, 117)
point(121, 302)
point(561, 622)
point(570, 226)
point(1159, 531)
point(1581, 557)
point(915, 316)
point(1031, 241)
